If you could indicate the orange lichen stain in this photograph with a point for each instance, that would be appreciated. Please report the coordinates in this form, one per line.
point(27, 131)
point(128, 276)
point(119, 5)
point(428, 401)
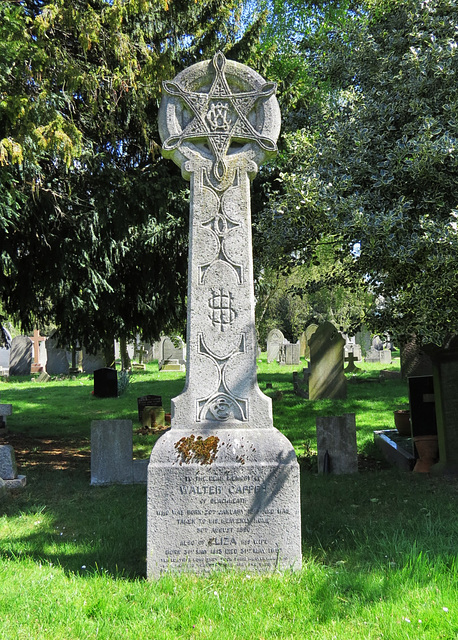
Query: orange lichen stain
point(192, 449)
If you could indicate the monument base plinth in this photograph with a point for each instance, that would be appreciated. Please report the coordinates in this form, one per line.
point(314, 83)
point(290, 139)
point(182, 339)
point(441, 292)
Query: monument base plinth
point(223, 498)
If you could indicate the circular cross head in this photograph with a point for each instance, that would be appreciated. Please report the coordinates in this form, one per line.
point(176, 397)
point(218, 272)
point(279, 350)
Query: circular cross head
point(218, 108)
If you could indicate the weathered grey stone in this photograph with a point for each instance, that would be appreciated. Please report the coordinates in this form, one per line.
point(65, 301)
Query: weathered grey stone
point(56, 357)
point(363, 338)
point(5, 351)
point(385, 356)
point(18, 482)
point(172, 354)
point(327, 379)
point(3, 489)
point(275, 341)
point(8, 466)
point(310, 330)
point(223, 483)
point(303, 343)
point(414, 360)
point(372, 355)
point(111, 452)
point(336, 444)
point(292, 353)
point(92, 361)
point(21, 356)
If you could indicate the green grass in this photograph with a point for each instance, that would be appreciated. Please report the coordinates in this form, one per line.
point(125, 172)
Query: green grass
point(379, 548)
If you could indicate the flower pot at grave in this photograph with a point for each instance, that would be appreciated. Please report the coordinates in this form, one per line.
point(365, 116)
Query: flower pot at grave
point(427, 449)
point(402, 422)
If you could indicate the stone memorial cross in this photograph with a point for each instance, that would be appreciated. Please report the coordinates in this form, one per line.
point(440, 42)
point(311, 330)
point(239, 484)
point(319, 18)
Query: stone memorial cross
point(219, 121)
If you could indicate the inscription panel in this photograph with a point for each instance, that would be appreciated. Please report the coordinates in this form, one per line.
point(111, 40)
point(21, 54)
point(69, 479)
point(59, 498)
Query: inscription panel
point(225, 517)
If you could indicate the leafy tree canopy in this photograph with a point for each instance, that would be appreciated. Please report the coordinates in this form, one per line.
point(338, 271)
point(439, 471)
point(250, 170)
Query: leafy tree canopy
point(93, 223)
point(379, 158)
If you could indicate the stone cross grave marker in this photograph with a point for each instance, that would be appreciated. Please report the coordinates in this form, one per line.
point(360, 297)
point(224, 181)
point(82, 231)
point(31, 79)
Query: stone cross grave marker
point(36, 339)
point(223, 483)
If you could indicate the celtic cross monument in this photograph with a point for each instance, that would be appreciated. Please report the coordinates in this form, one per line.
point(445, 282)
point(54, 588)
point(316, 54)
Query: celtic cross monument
point(223, 483)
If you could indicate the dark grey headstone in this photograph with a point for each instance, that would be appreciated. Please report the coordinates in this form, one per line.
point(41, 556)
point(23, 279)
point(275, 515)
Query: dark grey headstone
point(336, 444)
point(422, 405)
point(21, 356)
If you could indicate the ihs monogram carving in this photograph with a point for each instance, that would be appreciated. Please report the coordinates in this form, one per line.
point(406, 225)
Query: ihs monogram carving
point(222, 312)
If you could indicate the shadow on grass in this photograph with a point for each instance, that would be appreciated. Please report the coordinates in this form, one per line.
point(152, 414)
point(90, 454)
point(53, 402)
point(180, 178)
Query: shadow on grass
point(364, 521)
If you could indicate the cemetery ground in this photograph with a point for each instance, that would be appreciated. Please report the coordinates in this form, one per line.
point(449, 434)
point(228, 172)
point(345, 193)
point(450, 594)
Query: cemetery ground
point(379, 547)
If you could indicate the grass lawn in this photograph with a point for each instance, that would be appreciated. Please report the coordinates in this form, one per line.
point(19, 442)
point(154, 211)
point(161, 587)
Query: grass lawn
point(379, 548)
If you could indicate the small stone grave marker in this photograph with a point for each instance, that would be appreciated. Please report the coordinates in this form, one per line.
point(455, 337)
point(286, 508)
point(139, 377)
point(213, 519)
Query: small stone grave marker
point(275, 341)
point(8, 468)
point(336, 444)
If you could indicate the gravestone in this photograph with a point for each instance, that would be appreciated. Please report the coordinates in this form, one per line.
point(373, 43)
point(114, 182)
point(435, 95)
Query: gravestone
point(56, 358)
point(5, 353)
point(292, 353)
point(275, 341)
point(327, 378)
point(351, 366)
point(414, 360)
point(336, 444)
point(303, 343)
point(445, 377)
point(8, 468)
point(39, 352)
point(106, 383)
point(310, 330)
point(223, 483)
point(147, 401)
point(111, 452)
point(172, 354)
point(385, 356)
point(377, 343)
point(20, 356)
point(372, 355)
point(422, 406)
point(363, 338)
point(92, 361)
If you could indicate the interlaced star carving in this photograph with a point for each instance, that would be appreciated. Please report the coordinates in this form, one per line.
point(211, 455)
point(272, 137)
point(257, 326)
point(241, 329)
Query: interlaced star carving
point(220, 116)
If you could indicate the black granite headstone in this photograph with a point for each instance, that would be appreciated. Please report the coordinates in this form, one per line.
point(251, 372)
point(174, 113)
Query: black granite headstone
point(106, 383)
point(147, 401)
point(422, 406)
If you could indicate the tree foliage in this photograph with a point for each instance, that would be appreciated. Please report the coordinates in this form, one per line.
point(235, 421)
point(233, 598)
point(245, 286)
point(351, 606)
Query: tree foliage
point(382, 161)
point(93, 222)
